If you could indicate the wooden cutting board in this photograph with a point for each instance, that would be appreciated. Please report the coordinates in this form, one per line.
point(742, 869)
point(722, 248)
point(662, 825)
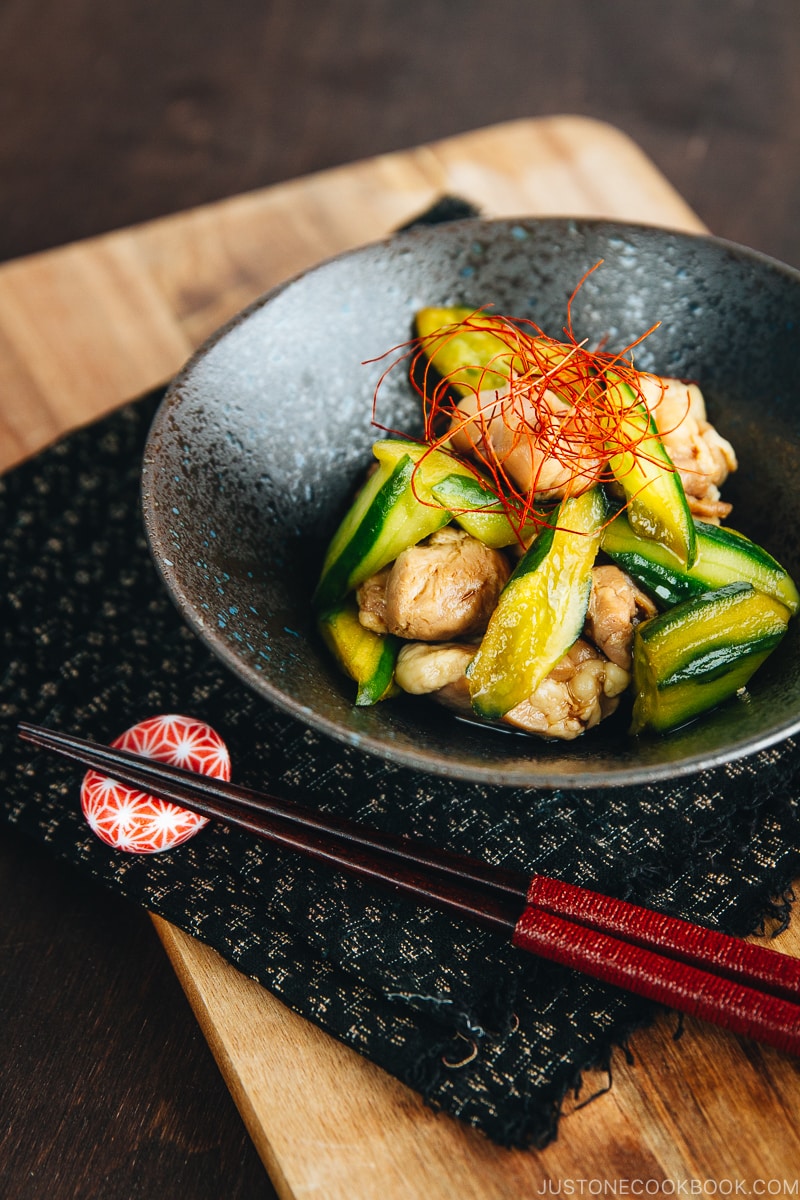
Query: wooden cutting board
point(86, 327)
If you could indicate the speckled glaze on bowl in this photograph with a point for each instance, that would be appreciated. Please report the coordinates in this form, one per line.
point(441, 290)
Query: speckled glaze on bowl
point(264, 435)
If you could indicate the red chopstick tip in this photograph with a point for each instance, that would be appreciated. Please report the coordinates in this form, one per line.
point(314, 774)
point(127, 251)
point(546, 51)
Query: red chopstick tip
point(131, 820)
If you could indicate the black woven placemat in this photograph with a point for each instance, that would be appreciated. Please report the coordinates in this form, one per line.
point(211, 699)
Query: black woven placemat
point(92, 643)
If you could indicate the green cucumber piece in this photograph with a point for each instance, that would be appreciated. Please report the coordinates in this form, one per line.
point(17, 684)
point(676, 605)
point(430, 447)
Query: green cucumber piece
point(368, 658)
point(723, 556)
point(395, 509)
point(474, 360)
point(699, 653)
point(463, 356)
point(656, 502)
point(476, 508)
point(542, 608)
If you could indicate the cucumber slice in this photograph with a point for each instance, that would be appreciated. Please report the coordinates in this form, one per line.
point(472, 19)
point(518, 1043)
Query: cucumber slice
point(656, 502)
point(723, 556)
point(463, 356)
point(541, 610)
point(395, 509)
point(477, 510)
point(368, 658)
point(699, 653)
point(474, 360)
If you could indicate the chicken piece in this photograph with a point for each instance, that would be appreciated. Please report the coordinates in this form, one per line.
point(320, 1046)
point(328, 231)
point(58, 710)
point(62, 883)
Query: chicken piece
point(616, 607)
point(438, 671)
point(582, 689)
point(520, 431)
point(455, 696)
point(703, 458)
point(371, 598)
point(422, 668)
point(444, 588)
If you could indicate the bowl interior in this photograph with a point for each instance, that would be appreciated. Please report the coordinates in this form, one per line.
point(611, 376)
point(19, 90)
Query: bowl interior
point(262, 439)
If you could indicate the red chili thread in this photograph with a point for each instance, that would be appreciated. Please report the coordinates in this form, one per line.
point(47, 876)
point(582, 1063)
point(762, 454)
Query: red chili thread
point(554, 404)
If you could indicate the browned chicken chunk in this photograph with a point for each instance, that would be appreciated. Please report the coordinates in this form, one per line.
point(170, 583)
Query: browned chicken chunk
point(703, 458)
point(616, 607)
point(371, 597)
point(446, 587)
point(423, 668)
point(582, 689)
point(521, 429)
point(524, 429)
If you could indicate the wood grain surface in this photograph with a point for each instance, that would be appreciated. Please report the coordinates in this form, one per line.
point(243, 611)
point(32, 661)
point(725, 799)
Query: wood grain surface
point(85, 327)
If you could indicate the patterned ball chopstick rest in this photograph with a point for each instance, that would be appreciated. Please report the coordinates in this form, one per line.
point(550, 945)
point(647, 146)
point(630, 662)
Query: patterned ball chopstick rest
point(131, 820)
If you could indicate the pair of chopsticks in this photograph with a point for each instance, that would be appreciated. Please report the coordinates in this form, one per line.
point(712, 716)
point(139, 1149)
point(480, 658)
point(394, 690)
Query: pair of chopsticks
point(747, 988)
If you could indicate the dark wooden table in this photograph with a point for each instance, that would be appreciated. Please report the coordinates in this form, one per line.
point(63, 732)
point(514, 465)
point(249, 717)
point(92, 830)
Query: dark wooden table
point(113, 114)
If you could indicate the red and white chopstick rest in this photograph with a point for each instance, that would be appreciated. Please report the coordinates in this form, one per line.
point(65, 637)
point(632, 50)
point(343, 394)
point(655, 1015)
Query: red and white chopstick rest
point(132, 820)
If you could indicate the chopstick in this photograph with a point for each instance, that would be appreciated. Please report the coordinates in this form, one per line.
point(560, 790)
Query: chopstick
point(457, 884)
point(749, 989)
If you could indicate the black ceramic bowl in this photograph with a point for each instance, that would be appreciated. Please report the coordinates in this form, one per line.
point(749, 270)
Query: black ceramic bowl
point(264, 435)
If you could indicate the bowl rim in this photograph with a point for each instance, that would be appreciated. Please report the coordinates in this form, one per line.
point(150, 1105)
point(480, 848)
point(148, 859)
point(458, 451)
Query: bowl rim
point(430, 763)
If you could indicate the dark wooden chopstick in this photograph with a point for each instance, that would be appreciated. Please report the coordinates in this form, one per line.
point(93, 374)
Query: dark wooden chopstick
point(463, 886)
point(745, 987)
